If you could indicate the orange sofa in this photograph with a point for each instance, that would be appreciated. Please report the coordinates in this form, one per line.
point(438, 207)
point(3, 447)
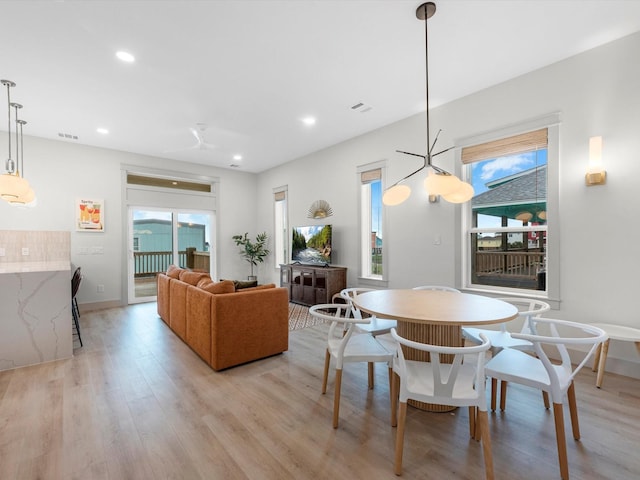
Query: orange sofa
point(223, 326)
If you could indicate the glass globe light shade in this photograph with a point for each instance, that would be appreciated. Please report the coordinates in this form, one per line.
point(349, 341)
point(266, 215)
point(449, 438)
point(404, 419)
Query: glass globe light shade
point(396, 195)
point(463, 194)
point(25, 199)
point(441, 184)
point(12, 186)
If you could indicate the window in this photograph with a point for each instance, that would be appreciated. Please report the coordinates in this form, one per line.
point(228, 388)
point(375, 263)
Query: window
point(507, 240)
point(281, 253)
point(371, 234)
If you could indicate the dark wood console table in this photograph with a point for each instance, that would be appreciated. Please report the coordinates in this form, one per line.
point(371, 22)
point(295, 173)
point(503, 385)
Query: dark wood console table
point(311, 284)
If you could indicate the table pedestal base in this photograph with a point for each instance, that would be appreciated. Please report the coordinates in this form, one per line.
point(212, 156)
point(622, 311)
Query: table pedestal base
point(447, 335)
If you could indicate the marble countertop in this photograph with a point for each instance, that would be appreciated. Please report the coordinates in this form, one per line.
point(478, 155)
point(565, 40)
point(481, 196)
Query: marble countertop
point(27, 267)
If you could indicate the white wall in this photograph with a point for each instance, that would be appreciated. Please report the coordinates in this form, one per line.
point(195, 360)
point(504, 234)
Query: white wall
point(61, 171)
point(596, 93)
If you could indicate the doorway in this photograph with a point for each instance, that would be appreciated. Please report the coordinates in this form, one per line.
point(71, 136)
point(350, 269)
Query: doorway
point(160, 237)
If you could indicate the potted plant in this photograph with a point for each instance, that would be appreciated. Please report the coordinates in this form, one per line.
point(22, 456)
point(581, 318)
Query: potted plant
point(253, 252)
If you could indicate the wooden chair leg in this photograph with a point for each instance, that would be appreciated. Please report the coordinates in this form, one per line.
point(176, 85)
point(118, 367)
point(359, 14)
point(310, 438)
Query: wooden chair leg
point(545, 399)
point(494, 393)
point(336, 398)
point(573, 411)
point(390, 384)
point(395, 390)
point(371, 373)
point(596, 358)
point(558, 416)
point(327, 360)
point(483, 426)
point(604, 350)
point(503, 395)
point(402, 416)
point(472, 422)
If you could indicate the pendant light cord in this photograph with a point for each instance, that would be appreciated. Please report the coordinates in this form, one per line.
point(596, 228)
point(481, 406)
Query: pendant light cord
point(9, 162)
point(426, 71)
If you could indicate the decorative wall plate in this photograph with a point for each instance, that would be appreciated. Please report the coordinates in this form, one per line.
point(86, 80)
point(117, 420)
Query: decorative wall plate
point(320, 209)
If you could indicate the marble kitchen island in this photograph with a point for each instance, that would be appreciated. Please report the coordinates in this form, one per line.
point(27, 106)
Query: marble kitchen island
point(35, 313)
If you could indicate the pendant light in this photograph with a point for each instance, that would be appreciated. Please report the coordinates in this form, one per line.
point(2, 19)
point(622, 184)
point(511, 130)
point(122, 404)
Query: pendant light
point(14, 188)
point(439, 182)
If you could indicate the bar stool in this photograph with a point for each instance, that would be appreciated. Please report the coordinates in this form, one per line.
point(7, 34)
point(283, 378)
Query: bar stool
point(75, 311)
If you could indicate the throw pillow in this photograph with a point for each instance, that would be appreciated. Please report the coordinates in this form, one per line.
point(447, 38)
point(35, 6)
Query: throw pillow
point(259, 287)
point(239, 284)
point(224, 286)
point(174, 271)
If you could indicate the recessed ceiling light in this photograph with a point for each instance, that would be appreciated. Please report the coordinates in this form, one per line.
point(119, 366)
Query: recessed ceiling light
point(103, 131)
point(309, 121)
point(125, 56)
point(237, 157)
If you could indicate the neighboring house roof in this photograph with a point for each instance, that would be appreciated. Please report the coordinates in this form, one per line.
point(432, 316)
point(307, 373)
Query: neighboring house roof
point(508, 196)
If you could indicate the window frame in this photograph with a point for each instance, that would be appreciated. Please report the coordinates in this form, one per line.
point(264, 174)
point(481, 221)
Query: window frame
point(552, 123)
point(281, 244)
point(365, 277)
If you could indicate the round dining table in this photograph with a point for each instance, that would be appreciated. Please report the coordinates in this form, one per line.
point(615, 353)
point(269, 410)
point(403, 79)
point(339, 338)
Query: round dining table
point(435, 317)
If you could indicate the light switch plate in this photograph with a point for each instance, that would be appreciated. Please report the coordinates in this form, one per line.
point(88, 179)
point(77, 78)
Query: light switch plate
point(25, 251)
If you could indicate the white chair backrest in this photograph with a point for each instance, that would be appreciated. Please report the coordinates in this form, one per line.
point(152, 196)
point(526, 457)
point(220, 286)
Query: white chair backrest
point(573, 333)
point(441, 288)
point(338, 315)
point(528, 308)
point(445, 373)
point(348, 294)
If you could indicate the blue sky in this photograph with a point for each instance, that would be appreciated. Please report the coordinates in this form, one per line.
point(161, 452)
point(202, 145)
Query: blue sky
point(489, 170)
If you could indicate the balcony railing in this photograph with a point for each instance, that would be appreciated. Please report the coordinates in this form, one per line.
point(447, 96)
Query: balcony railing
point(515, 269)
point(149, 263)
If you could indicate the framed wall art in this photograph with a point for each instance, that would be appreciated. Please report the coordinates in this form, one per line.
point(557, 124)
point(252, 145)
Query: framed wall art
point(89, 215)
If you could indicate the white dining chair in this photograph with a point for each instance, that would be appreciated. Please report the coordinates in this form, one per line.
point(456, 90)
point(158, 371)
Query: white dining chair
point(528, 308)
point(457, 384)
point(346, 346)
point(376, 326)
point(516, 366)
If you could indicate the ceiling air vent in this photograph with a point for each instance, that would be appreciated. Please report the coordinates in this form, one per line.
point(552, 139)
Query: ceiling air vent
point(361, 107)
point(68, 136)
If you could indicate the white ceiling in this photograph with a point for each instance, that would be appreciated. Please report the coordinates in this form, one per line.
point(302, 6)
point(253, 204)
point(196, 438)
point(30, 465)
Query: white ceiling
point(251, 70)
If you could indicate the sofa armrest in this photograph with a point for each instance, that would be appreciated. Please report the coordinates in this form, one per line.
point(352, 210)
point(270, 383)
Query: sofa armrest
point(163, 296)
point(247, 326)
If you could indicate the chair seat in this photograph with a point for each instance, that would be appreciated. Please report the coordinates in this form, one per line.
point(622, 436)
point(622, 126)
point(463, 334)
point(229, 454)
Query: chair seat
point(420, 382)
point(498, 338)
point(361, 348)
point(377, 326)
point(520, 367)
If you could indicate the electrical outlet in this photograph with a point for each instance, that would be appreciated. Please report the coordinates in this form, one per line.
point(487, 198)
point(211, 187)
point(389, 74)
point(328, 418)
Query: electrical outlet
point(100, 289)
point(3, 252)
point(25, 251)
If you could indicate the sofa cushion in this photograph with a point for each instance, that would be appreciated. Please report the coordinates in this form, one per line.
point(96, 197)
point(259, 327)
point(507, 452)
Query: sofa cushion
point(224, 286)
point(174, 271)
point(192, 278)
point(259, 287)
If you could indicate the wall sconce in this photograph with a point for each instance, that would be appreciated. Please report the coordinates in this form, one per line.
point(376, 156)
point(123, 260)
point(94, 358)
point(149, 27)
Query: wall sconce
point(596, 175)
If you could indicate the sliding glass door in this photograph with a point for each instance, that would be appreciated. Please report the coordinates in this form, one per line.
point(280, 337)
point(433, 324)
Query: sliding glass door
point(161, 237)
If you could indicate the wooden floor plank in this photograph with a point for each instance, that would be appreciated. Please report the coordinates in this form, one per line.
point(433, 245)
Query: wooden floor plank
point(135, 402)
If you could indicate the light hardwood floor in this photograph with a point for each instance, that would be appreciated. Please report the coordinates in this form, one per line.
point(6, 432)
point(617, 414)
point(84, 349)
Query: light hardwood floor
point(137, 403)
